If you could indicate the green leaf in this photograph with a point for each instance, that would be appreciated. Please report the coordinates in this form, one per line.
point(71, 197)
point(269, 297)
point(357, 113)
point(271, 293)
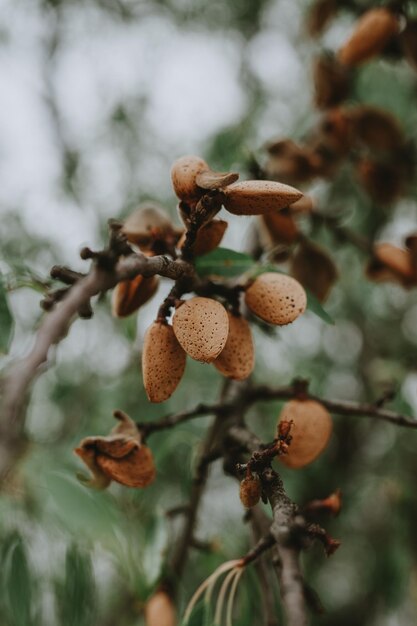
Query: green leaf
point(315, 306)
point(224, 262)
point(76, 592)
point(6, 320)
point(18, 583)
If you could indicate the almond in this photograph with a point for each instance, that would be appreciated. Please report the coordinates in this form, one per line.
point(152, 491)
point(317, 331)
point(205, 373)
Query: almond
point(183, 175)
point(208, 237)
point(147, 223)
point(313, 267)
point(129, 295)
point(278, 227)
point(311, 428)
point(237, 358)
point(370, 36)
point(391, 264)
point(250, 491)
point(201, 326)
point(276, 298)
point(255, 197)
point(160, 610)
point(163, 362)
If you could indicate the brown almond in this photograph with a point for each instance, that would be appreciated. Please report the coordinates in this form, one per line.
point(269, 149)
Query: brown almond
point(378, 129)
point(129, 295)
point(370, 36)
point(383, 181)
point(331, 82)
point(304, 205)
point(250, 491)
point(276, 298)
point(313, 267)
point(163, 362)
point(208, 237)
point(147, 223)
point(160, 610)
point(311, 428)
point(201, 326)
point(183, 175)
point(255, 197)
point(237, 358)
point(408, 40)
point(391, 264)
point(278, 227)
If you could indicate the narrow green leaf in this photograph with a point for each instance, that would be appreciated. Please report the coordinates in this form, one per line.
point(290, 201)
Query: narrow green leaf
point(18, 583)
point(6, 320)
point(224, 262)
point(315, 306)
point(76, 593)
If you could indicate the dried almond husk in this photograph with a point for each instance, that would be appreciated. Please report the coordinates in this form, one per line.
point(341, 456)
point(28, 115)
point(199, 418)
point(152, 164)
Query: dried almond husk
point(331, 82)
point(163, 362)
point(278, 227)
point(311, 429)
point(184, 172)
point(149, 222)
point(208, 237)
point(289, 163)
point(129, 295)
point(304, 206)
point(377, 129)
point(371, 34)
point(160, 610)
point(256, 197)
point(391, 264)
point(384, 182)
point(276, 298)
point(336, 130)
point(210, 180)
point(312, 266)
point(250, 491)
point(201, 326)
point(237, 359)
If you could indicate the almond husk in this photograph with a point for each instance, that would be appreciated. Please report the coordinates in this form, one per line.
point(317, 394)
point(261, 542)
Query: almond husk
point(208, 237)
point(184, 172)
point(250, 491)
point(136, 469)
point(163, 362)
point(377, 129)
point(391, 264)
point(289, 163)
point(160, 610)
point(149, 222)
point(129, 295)
point(276, 298)
point(331, 82)
point(312, 266)
point(384, 182)
point(278, 227)
point(210, 180)
point(371, 34)
point(237, 359)
point(256, 197)
point(311, 429)
point(201, 326)
point(319, 15)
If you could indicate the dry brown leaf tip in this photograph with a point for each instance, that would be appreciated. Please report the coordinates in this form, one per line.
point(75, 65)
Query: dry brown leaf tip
point(120, 456)
point(276, 298)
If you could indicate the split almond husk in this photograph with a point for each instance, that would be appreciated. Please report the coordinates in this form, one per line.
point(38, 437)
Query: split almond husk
point(311, 429)
point(250, 491)
point(183, 175)
point(371, 34)
point(276, 298)
point(256, 197)
point(163, 362)
point(391, 264)
point(129, 295)
point(148, 223)
point(160, 610)
point(314, 269)
point(201, 326)
point(120, 456)
point(208, 237)
point(237, 358)
point(210, 180)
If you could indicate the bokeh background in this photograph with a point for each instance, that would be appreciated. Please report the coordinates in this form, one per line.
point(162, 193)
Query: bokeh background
point(97, 99)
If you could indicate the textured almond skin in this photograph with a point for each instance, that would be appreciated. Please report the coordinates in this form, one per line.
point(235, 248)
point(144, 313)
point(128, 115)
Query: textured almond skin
point(373, 31)
point(255, 197)
point(201, 326)
point(136, 469)
point(208, 237)
point(237, 358)
point(310, 431)
point(129, 295)
point(160, 610)
point(276, 298)
point(163, 362)
point(146, 222)
point(183, 175)
point(250, 491)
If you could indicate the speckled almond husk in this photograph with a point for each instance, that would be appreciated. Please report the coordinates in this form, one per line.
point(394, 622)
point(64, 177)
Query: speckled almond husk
point(201, 326)
point(391, 264)
point(129, 295)
point(237, 359)
point(310, 431)
point(148, 222)
point(160, 610)
point(250, 491)
point(208, 237)
point(276, 298)
point(135, 469)
point(371, 34)
point(163, 362)
point(256, 197)
point(184, 172)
